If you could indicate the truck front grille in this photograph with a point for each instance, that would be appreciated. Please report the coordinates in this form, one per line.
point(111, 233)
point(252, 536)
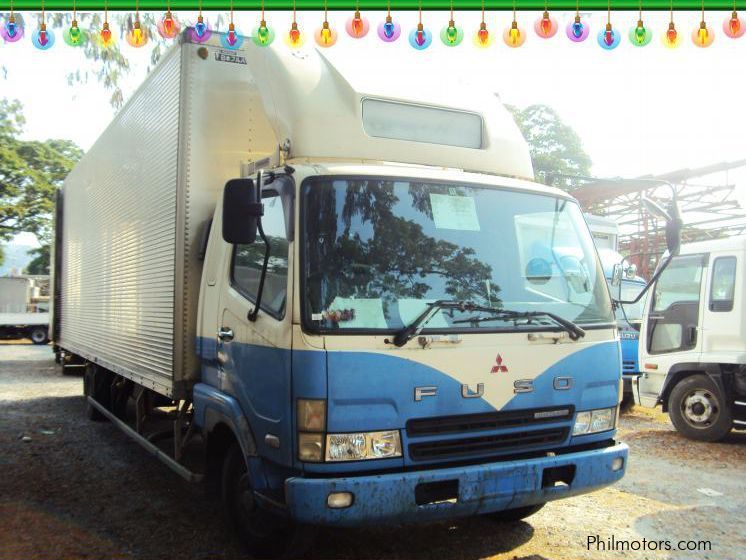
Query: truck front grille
point(465, 423)
point(486, 445)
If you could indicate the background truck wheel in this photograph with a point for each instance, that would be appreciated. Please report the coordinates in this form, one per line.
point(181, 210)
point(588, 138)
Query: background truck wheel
point(96, 384)
point(698, 410)
point(515, 514)
point(263, 534)
point(39, 335)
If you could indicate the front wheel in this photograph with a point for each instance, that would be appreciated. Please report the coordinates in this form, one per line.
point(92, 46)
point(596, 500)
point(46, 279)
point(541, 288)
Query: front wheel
point(698, 410)
point(263, 534)
point(39, 335)
point(515, 514)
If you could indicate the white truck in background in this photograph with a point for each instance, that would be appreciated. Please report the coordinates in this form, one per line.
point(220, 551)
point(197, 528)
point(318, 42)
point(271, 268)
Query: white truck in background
point(24, 308)
point(693, 340)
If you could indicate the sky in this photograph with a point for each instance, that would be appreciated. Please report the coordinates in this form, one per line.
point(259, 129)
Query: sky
point(637, 110)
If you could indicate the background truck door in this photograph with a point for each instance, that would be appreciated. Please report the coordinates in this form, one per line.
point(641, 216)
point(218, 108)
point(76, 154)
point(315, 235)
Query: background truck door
point(255, 356)
point(671, 327)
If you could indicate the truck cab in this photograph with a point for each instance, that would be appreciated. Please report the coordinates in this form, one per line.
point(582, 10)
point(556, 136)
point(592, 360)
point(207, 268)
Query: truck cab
point(693, 340)
point(354, 297)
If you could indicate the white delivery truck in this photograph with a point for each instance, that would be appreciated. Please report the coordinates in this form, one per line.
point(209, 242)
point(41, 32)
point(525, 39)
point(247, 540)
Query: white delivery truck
point(351, 303)
point(24, 308)
point(693, 340)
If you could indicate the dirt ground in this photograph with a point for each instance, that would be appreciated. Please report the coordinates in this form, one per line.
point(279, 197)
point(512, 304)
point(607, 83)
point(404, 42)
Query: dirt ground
point(70, 488)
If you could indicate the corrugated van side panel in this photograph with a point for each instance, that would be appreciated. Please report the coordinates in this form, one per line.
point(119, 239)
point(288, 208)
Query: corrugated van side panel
point(118, 262)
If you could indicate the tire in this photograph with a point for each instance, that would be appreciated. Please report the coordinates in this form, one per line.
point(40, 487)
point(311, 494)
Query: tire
point(515, 514)
point(39, 335)
point(698, 410)
point(263, 534)
point(96, 384)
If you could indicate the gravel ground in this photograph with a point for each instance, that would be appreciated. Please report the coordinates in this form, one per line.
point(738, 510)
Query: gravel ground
point(79, 489)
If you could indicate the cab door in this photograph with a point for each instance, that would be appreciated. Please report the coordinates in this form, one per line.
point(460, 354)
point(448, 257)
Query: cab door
point(671, 326)
point(254, 356)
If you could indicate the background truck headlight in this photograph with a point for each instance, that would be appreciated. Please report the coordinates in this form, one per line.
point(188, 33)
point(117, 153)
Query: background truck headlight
point(363, 445)
point(594, 421)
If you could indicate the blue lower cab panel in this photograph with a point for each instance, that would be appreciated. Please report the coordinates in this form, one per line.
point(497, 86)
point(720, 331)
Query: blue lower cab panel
point(485, 488)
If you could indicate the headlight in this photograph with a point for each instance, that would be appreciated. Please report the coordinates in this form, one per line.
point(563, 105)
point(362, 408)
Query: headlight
point(360, 446)
point(594, 421)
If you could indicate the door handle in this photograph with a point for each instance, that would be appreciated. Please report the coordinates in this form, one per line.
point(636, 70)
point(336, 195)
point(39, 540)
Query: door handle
point(225, 334)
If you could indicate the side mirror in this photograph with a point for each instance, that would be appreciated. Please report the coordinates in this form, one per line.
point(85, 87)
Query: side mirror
point(631, 272)
point(241, 211)
point(616, 274)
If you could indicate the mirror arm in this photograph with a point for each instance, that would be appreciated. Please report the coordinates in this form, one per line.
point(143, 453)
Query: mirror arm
point(255, 312)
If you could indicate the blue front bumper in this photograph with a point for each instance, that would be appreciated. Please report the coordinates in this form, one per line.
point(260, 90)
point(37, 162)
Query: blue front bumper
point(390, 498)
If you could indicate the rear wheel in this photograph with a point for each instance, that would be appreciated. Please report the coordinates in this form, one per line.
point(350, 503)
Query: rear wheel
point(515, 514)
point(698, 410)
point(264, 534)
point(39, 335)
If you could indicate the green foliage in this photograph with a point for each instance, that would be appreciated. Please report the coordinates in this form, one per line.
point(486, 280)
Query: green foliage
point(2, 255)
point(109, 66)
point(40, 263)
point(30, 172)
point(556, 149)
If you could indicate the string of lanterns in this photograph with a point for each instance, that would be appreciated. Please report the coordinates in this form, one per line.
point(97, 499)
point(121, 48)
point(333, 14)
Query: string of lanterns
point(357, 27)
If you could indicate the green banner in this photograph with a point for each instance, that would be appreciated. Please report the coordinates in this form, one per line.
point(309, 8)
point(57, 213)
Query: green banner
point(349, 5)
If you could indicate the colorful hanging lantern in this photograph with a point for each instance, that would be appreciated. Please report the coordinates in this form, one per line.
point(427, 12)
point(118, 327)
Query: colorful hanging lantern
point(43, 38)
point(514, 36)
point(734, 26)
point(640, 35)
point(294, 38)
point(200, 32)
point(169, 26)
point(12, 30)
point(702, 36)
point(388, 30)
point(482, 37)
point(325, 36)
point(232, 39)
point(577, 30)
point(137, 36)
point(420, 38)
point(74, 36)
point(671, 37)
point(546, 26)
point(450, 34)
point(357, 26)
point(608, 37)
point(263, 35)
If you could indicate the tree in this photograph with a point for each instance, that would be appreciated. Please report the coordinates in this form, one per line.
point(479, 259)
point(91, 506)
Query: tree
point(40, 263)
point(30, 172)
point(108, 65)
point(556, 149)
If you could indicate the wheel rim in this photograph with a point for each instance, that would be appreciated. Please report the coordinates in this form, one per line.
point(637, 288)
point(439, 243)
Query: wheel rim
point(37, 336)
point(700, 408)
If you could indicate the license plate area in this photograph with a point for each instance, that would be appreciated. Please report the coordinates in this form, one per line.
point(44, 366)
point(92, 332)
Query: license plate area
point(558, 477)
point(443, 491)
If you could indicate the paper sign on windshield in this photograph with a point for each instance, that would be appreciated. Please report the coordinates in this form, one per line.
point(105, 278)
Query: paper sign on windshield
point(454, 212)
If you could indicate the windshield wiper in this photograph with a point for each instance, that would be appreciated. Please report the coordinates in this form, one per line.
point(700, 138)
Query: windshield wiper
point(415, 327)
point(572, 329)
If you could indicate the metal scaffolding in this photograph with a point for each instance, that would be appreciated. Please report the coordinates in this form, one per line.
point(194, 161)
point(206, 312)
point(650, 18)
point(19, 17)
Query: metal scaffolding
point(708, 200)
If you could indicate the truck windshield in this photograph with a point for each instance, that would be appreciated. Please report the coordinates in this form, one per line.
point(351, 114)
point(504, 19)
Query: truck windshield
point(377, 251)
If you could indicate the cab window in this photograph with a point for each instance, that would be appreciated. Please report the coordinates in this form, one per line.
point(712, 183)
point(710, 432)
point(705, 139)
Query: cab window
point(246, 267)
point(722, 289)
